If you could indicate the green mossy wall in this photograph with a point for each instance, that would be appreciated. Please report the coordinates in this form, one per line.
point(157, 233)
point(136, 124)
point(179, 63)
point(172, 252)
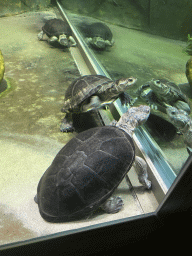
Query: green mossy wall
point(11, 7)
point(171, 18)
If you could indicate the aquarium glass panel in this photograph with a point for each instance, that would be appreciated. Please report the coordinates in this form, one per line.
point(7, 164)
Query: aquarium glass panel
point(147, 40)
point(127, 39)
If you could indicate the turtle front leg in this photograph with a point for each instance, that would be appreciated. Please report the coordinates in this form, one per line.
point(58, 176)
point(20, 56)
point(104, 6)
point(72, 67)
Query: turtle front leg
point(113, 204)
point(40, 35)
point(141, 170)
point(94, 103)
point(52, 39)
point(72, 41)
point(67, 124)
point(88, 40)
point(108, 43)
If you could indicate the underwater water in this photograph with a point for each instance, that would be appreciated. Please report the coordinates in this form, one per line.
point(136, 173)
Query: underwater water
point(36, 77)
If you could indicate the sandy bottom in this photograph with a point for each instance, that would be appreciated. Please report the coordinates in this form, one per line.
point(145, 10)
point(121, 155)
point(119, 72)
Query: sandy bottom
point(30, 116)
point(20, 174)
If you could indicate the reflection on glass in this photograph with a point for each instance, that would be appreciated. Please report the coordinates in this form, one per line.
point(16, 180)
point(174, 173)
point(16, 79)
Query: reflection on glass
point(150, 59)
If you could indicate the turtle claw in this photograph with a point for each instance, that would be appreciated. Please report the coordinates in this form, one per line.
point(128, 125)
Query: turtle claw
point(153, 107)
point(113, 204)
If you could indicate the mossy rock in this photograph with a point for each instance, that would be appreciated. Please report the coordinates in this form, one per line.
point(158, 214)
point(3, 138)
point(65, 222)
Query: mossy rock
point(2, 66)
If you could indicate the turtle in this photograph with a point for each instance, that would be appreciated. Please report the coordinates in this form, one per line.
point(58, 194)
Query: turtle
point(98, 35)
point(58, 31)
point(87, 170)
point(92, 92)
point(182, 121)
point(2, 67)
point(163, 93)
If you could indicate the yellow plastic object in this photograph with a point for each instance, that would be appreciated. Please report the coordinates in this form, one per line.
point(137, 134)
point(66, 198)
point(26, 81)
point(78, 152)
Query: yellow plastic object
point(2, 66)
point(189, 71)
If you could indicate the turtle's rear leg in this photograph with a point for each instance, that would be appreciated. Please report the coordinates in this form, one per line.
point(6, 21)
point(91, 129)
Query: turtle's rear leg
point(113, 205)
point(40, 35)
point(141, 170)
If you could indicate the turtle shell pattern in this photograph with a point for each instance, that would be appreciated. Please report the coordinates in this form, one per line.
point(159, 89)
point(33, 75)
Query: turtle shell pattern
point(174, 94)
point(85, 173)
point(56, 27)
point(99, 29)
point(83, 88)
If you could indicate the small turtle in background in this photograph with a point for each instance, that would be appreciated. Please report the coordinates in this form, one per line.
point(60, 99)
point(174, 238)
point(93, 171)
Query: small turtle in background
point(98, 35)
point(58, 31)
point(92, 92)
point(88, 169)
point(165, 94)
point(182, 121)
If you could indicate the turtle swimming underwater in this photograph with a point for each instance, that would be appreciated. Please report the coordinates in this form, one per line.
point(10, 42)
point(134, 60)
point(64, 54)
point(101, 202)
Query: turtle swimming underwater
point(92, 92)
point(87, 170)
point(98, 35)
point(2, 67)
point(164, 93)
point(182, 121)
point(58, 31)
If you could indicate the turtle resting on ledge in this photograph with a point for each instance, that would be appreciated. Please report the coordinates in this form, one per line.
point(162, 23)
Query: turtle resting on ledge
point(58, 31)
point(88, 169)
point(98, 35)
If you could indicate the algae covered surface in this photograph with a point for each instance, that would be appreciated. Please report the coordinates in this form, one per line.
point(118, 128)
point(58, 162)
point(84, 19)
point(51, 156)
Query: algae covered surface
point(36, 76)
point(39, 74)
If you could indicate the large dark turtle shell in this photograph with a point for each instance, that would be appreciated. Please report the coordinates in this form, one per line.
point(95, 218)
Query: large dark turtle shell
point(98, 29)
point(56, 27)
point(82, 88)
point(85, 173)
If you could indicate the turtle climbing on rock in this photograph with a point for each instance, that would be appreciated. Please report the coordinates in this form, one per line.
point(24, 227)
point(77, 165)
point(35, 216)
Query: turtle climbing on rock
point(93, 92)
point(165, 94)
point(58, 31)
point(182, 121)
point(98, 35)
point(87, 170)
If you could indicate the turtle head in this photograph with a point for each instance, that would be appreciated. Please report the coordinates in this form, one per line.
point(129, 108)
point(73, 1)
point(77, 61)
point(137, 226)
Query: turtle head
point(179, 118)
point(125, 83)
point(134, 117)
point(98, 43)
point(159, 86)
point(63, 40)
